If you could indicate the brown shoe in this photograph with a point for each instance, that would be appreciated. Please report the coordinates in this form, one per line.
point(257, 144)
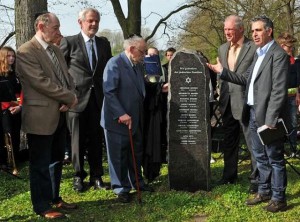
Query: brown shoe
point(259, 198)
point(64, 205)
point(52, 214)
point(276, 206)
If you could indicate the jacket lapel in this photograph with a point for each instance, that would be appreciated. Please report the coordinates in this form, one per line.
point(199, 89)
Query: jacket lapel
point(225, 55)
point(82, 46)
point(268, 56)
point(244, 50)
point(135, 77)
point(44, 54)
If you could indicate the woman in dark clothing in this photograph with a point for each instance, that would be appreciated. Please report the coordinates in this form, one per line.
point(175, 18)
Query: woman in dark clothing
point(287, 41)
point(11, 111)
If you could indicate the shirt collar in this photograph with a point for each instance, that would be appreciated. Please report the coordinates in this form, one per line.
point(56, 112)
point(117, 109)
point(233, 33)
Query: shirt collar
point(128, 57)
point(262, 51)
point(86, 38)
point(42, 42)
point(238, 43)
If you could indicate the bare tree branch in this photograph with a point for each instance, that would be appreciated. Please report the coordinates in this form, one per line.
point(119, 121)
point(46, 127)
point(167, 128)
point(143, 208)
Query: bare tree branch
point(163, 20)
point(7, 7)
point(10, 35)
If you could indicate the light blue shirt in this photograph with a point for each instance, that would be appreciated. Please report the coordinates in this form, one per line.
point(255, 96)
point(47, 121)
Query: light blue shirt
point(88, 47)
point(261, 53)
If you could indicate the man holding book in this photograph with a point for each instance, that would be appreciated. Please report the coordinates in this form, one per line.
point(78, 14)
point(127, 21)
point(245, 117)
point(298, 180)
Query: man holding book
point(266, 97)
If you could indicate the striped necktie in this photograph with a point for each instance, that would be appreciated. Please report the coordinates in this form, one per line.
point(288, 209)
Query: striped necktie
point(59, 73)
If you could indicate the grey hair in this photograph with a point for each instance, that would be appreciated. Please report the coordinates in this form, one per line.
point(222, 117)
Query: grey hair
point(132, 41)
point(83, 13)
point(238, 21)
point(44, 19)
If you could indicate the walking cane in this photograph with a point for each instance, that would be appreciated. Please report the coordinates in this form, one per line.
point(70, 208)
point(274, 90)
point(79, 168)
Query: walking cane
point(135, 169)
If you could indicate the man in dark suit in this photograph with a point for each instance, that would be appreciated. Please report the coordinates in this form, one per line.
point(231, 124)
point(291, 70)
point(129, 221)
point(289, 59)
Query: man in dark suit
point(86, 55)
point(47, 89)
point(266, 100)
point(236, 55)
point(124, 93)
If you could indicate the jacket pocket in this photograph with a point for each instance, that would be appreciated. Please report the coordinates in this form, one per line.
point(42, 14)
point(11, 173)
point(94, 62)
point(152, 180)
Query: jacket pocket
point(36, 102)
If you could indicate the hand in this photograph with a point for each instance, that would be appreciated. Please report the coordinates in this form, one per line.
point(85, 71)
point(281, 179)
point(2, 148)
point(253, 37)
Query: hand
point(15, 109)
point(75, 102)
point(63, 108)
point(125, 119)
point(270, 127)
point(217, 68)
point(165, 88)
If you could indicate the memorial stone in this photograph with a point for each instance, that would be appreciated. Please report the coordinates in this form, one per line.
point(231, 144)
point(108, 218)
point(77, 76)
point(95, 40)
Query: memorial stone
point(189, 122)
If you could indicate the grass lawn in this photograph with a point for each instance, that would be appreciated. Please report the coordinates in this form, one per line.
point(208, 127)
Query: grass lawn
point(222, 203)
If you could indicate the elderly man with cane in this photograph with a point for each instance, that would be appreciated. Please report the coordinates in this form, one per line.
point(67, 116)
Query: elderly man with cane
point(122, 113)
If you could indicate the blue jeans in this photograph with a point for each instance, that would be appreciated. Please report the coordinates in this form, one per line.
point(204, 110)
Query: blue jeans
point(292, 107)
point(270, 164)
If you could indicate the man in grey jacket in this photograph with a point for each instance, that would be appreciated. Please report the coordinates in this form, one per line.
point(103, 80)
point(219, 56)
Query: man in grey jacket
point(236, 55)
point(265, 102)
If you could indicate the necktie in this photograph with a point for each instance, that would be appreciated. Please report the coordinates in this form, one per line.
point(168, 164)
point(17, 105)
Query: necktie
point(94, 58)
point(59, 73)
point(232, 56)
point(134, 69)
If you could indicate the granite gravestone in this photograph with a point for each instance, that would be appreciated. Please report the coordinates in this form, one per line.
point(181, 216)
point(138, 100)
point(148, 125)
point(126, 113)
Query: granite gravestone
point(189, 122)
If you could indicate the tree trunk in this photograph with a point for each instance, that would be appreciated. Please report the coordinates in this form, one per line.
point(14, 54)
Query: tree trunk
point(132, 23)
point(25, 11)
point(288, 8)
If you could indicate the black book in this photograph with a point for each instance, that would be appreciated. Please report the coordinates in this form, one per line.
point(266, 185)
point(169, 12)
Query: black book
point(268, 136)
point(6, 91)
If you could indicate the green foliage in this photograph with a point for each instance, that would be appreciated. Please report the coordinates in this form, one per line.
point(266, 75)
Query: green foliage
point(222, 203)
point(203, 29)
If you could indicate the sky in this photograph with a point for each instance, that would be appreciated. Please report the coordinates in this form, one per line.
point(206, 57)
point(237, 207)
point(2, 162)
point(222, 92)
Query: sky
point(69, 25)
point(68, 15)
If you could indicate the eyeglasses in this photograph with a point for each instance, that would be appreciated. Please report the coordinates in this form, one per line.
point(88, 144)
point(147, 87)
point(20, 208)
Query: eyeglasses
point(142, 52)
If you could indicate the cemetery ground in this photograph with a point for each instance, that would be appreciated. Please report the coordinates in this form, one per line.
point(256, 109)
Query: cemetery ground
point(221, 203)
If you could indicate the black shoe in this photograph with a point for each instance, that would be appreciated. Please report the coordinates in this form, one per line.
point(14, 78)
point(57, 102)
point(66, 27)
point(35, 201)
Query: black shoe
point(276, 206)
point(146, 188)
point(123, 197)
point(99, 184)
point(78, 184)
point(253, 189)
point(259, 198)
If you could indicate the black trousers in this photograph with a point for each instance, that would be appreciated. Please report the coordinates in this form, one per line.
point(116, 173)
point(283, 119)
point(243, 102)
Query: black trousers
point(90, 138)
point(12, 125)
point(46, 153)
point(230, 144)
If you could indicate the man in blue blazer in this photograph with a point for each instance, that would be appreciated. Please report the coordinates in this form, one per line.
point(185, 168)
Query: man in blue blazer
point(265, 102)
point(124, 93)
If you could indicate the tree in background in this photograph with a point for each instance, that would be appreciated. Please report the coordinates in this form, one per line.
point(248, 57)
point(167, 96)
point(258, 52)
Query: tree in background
point(25, 11)
point(203, 29)
point(116, 39)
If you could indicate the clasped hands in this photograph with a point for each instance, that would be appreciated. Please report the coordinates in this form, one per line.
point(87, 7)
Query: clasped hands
point(65, 108)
